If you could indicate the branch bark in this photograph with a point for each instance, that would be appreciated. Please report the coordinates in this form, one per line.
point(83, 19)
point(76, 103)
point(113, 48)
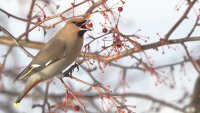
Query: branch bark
point(38, 45)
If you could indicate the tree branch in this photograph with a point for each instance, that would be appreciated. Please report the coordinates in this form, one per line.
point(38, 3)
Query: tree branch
point(135, 95)
point(16, 42)
point(191, 4)
point(29, 17)
point(38, 45)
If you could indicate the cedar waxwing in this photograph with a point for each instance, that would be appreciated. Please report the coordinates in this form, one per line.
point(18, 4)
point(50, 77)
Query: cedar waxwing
point(55, 56)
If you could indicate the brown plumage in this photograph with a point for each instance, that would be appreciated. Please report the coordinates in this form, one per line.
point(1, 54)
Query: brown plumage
point(55, 56)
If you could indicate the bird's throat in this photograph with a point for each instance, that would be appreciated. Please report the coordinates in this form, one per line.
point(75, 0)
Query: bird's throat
point(81, 33)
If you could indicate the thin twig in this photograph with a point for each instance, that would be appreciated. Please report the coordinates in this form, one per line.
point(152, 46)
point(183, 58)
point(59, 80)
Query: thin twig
point(15, 17)
point(95, 5)
point(16, 42)
point(180, 20)
point(71, 92)
point(60, 15)
point(46, 98)
point(190, 58)
point(5, 59)
point(29, 17)
point(194, 26)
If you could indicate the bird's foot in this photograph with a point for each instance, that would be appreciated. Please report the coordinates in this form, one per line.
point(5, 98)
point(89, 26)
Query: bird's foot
point(69, 72)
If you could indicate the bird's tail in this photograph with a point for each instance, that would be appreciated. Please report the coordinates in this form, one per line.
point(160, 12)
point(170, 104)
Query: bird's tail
point(32, 81)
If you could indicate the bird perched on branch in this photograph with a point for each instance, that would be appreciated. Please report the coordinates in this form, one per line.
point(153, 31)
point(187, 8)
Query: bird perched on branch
point(59, 52)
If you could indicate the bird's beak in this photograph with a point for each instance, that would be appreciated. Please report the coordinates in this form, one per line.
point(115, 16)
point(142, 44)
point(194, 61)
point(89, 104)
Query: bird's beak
point(84, 25)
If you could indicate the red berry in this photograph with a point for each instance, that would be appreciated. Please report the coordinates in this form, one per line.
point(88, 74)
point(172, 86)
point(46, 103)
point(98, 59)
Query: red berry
point(38, 19)
point(68, 96)
point(104, 30)
point(90, 25)
point(75, 107)
point(119, 45)
point(120, 9)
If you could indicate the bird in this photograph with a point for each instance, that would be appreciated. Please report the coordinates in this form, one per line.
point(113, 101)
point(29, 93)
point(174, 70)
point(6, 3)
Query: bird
point(57, 54)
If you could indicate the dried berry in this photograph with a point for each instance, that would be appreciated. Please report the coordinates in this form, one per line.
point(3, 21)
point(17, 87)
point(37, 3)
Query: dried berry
point(104, 30)
point(120, 9)
point(90, 25)
point(75, 107)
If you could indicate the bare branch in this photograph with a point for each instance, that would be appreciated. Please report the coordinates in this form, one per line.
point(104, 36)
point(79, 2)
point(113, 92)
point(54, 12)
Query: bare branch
point(71, 92)
point(190, 58)
point(135, 95)
point(95, 5)
point(194, 26)
point(39, 45)
point(16, 42)
point(15, 17)
point(180, 20)
point(29, 17)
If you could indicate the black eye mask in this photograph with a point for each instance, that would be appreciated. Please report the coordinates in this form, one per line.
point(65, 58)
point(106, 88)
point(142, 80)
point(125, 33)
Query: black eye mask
point(79, 24)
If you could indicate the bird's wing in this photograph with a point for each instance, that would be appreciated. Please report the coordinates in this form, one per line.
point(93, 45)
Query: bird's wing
point(47, 56)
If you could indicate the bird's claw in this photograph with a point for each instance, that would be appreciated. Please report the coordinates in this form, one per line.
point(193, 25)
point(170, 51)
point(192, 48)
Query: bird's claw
point(69, 72)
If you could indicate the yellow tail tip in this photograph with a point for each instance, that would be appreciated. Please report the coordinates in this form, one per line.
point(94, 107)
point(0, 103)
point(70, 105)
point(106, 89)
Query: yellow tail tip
point(16, 104)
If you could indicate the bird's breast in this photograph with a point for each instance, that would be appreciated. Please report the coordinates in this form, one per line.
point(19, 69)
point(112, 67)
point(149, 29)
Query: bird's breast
point(72, 52)
point(74, 46)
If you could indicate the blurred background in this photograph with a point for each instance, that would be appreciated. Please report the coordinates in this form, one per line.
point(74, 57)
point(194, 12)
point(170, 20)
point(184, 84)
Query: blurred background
point(166, 86)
